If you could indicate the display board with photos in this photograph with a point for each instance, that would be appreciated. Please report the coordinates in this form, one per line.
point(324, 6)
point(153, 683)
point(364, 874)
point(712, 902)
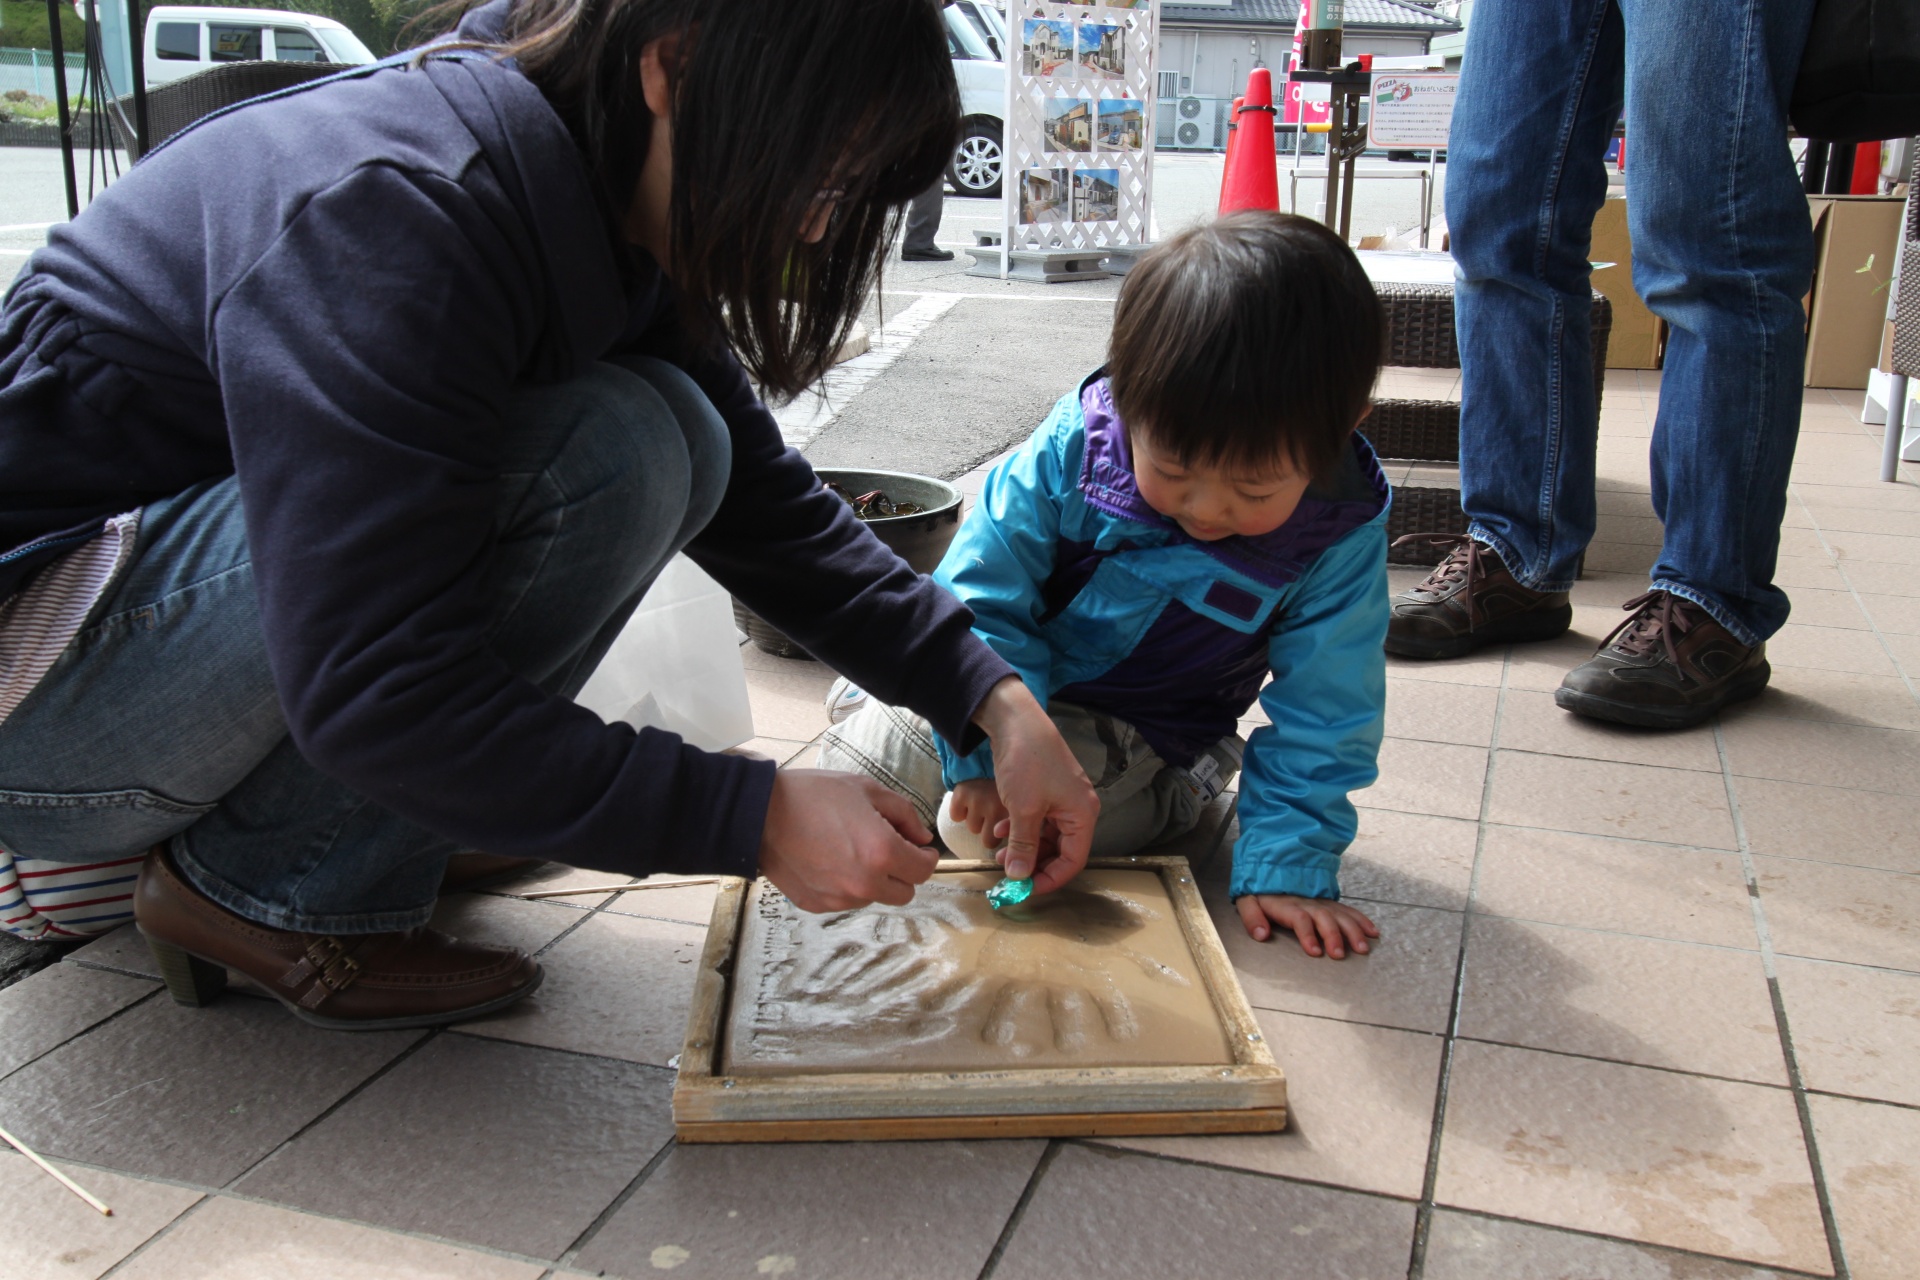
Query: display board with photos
point(1079, 138)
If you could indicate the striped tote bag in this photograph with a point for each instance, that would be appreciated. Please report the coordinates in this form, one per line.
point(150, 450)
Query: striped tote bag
point(48, 901)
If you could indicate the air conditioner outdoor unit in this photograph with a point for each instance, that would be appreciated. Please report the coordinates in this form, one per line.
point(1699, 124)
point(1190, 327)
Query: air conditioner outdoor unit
point(1196, 125)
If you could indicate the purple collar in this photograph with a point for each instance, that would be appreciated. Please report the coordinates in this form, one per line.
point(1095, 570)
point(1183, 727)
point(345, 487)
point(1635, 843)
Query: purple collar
point(1325, 515)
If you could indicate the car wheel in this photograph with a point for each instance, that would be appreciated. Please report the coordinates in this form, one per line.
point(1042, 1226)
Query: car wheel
point(975, 170)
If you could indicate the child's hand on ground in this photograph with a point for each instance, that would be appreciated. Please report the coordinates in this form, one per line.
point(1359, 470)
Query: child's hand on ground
point(1321, 925)
point(976, 803)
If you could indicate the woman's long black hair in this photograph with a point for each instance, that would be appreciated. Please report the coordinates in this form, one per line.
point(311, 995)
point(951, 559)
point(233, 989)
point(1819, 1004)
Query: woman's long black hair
point(774, 103)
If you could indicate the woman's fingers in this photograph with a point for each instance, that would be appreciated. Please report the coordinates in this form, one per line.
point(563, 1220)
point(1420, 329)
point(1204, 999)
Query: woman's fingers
point(898, 811)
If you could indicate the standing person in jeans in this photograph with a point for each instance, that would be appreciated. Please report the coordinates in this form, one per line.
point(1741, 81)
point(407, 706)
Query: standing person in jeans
point(327, 479)
point(1722, 251)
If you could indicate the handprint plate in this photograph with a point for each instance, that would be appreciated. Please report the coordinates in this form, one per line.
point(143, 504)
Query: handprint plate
point(1097, 974)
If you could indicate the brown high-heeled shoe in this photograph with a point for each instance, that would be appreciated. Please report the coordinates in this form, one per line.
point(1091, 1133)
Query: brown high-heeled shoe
point(345, 982)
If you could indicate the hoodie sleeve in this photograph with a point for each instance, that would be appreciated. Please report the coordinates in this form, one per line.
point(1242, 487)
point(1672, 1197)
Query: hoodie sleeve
point(799, 558)
point(1326, 705)
point(363, 398)
point(1003, 555)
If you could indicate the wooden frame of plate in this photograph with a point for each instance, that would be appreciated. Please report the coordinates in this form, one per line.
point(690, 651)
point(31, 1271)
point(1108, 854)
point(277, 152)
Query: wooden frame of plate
point(1248, 1095)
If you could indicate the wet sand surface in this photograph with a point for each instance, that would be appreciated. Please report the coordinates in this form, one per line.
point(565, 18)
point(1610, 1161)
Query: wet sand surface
point(1098, 974)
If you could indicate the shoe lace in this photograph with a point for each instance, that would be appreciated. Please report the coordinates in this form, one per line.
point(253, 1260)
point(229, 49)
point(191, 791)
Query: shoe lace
point(1653, 620)
point(1463, 564)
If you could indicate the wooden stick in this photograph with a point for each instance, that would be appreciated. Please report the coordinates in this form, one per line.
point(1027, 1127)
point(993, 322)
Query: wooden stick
point(622, 888)
point(57, 1176)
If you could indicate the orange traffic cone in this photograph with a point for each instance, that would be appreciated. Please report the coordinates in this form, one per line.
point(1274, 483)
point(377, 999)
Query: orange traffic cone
point(1233, 131)
point(1252, 179)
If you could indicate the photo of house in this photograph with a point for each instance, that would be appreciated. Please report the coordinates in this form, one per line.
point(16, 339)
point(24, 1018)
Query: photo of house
point(1049, 47)
point(1122, 125)
point(1044, 196)
point(1096, 195)
point(1101, 51)
point(1068, 125)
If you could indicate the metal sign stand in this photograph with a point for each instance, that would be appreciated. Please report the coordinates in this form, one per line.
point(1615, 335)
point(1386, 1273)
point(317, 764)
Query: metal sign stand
point(1346, 137)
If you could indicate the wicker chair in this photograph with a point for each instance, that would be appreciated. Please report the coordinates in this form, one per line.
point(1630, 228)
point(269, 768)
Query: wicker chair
point(172, 107)
point(1420, 336)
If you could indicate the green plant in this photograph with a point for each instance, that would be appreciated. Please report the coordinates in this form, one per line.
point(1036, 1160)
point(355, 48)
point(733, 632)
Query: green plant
point(1866, 269)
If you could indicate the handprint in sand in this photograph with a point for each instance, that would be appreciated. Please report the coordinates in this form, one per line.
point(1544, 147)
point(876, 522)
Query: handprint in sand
point(1055, 978)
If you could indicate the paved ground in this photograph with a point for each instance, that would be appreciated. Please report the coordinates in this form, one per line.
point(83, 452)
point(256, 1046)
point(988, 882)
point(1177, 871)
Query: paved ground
point(1644, 1008)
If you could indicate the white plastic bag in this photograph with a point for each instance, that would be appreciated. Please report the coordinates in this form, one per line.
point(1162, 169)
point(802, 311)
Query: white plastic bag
point(676, 664)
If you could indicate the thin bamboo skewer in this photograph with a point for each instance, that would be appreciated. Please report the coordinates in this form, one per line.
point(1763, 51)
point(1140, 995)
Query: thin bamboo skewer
point(622, 888)
point(57, 1176)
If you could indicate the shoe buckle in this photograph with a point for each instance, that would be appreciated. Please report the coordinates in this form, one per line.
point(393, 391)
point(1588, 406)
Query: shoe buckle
point(333, 969)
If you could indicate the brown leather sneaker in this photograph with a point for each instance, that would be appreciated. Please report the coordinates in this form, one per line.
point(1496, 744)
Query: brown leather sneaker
point(353, 982)
point(1668, 666)
point(1470, 601)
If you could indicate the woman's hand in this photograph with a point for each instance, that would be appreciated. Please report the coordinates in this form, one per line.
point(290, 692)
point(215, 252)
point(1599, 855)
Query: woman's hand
point(835, 841)
point(1050, 804)
point(1319, 925)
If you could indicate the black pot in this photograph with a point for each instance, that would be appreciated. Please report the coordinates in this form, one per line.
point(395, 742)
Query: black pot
point(919, 539)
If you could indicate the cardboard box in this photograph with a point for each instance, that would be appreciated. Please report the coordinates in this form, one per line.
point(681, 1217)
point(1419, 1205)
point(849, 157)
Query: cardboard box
point(1636, 339)
point(1848, 314)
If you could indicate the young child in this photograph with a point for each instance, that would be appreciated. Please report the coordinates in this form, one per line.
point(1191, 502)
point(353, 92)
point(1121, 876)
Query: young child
point(1196, 516)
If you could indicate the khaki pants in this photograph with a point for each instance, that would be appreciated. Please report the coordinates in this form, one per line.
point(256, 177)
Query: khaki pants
point(1143, 799)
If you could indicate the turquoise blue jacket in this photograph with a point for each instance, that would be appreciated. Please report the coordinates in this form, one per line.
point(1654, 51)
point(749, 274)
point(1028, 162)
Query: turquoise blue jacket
point(1096, 599)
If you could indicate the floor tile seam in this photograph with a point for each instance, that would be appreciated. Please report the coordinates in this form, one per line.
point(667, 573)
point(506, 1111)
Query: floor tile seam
point(166, 1229)
point(1625, 1062)
point(89, 1029)
point(1616, 933)
point(1669, 1249)
point(1766, 713)
point(1831, 862)
point(1695, 845)
point(211, 1194)
point(1268, 1175)
point(1829, 1221)
point(1401, 902)
point(1870, 791)
point(1019, 1210)
point(1440, 742)
point(1430, 1174)
point(1847, 964)
point(1351, 1022)
point(570, 1254)
point(1873, 624)
point(555, 1048)
point(362, 1086)
point(1561, 755)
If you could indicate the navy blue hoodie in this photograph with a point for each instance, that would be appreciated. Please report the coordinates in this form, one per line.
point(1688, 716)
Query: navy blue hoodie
point(329, 295)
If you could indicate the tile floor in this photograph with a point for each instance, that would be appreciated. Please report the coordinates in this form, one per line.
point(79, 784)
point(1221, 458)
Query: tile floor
point(1645, 1007)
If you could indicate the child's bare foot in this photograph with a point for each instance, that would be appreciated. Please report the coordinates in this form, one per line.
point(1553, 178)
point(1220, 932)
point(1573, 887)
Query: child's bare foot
point(1321, 925)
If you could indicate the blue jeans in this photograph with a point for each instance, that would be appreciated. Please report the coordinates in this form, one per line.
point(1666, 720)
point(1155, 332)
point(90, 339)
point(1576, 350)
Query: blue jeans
point(1722, 251)
point(160, 720)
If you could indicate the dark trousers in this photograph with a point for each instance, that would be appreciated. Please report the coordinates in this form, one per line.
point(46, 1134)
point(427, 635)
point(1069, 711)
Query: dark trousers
point(923, 216)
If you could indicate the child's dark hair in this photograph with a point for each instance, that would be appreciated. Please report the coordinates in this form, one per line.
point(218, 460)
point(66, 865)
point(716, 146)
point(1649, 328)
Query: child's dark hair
point(1247, 342)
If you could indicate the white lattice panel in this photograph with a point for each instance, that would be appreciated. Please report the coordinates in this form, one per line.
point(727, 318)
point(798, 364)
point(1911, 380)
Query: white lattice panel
point(1079, 136)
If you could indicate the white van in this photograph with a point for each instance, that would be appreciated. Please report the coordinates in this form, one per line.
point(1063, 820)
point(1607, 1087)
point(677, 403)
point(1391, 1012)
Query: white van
point(182, 40)
point(977, 40)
